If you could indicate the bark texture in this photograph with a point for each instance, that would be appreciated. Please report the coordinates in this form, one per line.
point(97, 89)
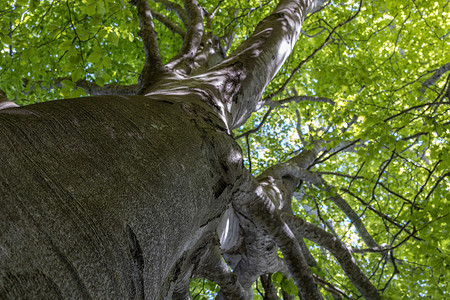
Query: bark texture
point(109, 197)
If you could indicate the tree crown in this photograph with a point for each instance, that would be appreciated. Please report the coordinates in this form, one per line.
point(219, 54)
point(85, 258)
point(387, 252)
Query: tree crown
point(368, 81)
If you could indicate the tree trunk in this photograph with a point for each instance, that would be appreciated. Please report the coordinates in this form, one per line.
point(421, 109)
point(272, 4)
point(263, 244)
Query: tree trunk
point(109, 197)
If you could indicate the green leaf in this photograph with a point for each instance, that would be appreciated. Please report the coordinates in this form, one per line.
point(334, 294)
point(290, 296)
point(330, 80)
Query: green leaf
point(100, 81)
point(34, 4)
point(289, 287)
point(68, 84)
point(22, 2)
point(107, 62)
point(95, 57)
point(277, 277)
point(66, 45)
point(77, 74)
point(5, 39)
point(84, 34)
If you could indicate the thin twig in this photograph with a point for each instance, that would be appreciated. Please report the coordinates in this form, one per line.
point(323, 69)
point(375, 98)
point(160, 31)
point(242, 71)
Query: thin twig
point(297, 99)
point(415, 107)
point(257, 128)
point(249, 154)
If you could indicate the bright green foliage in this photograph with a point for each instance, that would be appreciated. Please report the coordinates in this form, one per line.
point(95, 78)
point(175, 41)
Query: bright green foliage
point(375, 68)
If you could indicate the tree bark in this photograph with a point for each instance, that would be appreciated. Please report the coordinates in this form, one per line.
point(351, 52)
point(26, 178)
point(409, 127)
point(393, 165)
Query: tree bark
point(109, 197)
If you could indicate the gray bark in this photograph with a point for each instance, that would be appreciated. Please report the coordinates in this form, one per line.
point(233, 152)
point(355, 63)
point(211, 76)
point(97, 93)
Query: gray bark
point(109, 197)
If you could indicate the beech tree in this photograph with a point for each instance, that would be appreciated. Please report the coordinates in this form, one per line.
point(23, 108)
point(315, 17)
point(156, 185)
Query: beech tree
point(228, 149)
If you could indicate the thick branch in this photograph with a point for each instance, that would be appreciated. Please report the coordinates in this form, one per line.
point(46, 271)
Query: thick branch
point(153, 63)
point(294, 165)
point(89, 87)
point(269, 288)
point(214, 268)
point(258, 254)
point(382, 248)
point(254, 202)
point(343, 255)
point(259, 58)
point(248, 249)
point(435, 77)
point(315, 51)
point(317, 180)
point(192, 39)
point(293, 169)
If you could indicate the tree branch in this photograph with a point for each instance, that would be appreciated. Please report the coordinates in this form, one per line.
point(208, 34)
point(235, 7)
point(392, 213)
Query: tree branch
point(214, 268)
point(314, 52)
point(5, 102)
point(153, 64)
point(296, 168)
point(415, 107)
point(317, 180)
point(435, 77)
point(330, 288)
point(192, 39)
point(247, 133)
point(254, 254)
point(249, 156)
point(296, 99)
point(256, 61)
point(89, 87)
point(436, 184)
point(346, 146)
point(215, 9)
point(252, 201)
point(382, 248)
point(171, 25)
point(178, 9)
point(316, 34)
point(353, 216)
point(303, 229)
point(269, 288)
